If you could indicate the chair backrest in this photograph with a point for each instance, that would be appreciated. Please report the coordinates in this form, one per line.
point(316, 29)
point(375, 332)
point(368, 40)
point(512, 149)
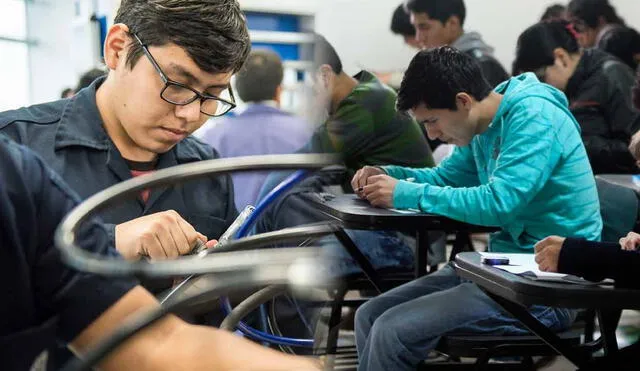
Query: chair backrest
point(619, 210)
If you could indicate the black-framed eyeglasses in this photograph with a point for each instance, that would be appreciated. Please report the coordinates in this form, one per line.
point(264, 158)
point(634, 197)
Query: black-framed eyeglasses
point(181, 94)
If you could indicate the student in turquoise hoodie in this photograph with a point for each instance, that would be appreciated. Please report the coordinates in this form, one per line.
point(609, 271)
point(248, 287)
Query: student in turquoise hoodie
point(519, 165)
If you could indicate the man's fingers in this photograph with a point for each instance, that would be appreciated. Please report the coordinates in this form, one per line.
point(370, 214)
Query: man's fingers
point(166, 241)
point(542, 244)
point(180, 240)
point(190, 233)
point(355, 180)
point(369, 189)
point(539, 257)
point(153, 248)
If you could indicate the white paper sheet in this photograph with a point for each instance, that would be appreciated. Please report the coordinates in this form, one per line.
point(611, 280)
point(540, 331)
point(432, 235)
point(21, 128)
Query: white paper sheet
point(521, 263)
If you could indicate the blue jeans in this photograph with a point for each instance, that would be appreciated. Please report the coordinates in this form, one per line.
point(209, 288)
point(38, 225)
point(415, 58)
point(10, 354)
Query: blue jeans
point(383, 249)
point(396, 330)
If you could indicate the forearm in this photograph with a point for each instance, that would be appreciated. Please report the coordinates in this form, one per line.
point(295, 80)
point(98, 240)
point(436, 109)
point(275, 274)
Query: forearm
point(172, 344)
point(596, 261)
point(199, 347)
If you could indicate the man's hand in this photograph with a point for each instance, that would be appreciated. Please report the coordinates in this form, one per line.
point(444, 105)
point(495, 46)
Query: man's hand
point(548, 253)
point(379, 191)
point(361, 178)
point(163, 235)
point(631, 242)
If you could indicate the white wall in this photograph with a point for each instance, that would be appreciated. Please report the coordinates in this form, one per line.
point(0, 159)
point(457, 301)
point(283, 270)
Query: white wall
point(66, 45)
point(359, 29)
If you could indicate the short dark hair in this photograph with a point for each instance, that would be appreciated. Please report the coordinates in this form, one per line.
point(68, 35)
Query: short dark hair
point(401, 22)
point(88, 77)
point(436, 76)
point(553, 12)
point(212, 32)
point(440, 10)
point(622, 42)
point(590, 11)
point(260, 77)
point(536, 44)
point(324, 53)
point(66, 92)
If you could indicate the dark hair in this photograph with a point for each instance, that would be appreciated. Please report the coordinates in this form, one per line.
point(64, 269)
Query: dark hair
point(260, 77)
point(401, 22)
point(622, 42)
point(324, 53)
point(553, 12)
point(88, 77)
point(590, 11)
point(536, 44)
point(440, 10)
point(213, 32)
point(66, 92)
point(436, 76)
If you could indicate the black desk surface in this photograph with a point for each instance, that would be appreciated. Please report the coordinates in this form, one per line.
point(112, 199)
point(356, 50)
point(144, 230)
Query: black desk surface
point(353, 211)
point(625, 180)
point(526, 291)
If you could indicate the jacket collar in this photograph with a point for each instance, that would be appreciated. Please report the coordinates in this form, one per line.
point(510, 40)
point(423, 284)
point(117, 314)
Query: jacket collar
point(80, 123)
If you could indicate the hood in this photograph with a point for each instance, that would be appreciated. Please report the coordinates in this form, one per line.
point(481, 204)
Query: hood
point(527, 85)
point(472, 41)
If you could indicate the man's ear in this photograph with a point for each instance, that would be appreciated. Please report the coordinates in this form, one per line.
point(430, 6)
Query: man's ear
point(278, 94)
point(326, 74)
point(463, 101)
point(115, 45)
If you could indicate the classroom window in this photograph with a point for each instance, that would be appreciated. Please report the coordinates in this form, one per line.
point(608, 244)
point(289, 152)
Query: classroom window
point(14, 55)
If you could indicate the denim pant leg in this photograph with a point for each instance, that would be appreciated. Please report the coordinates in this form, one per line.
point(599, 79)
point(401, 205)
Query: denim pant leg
point(383, 249)
point(370, 311)
point(404, 334)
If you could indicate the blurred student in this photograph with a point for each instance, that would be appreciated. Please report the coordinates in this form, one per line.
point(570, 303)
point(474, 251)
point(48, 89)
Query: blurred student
point(262, 128)
point(554, 12)
point(441, 22)
point(592, 20)
point(401, 26)
point(597, 85)
point(624, 43)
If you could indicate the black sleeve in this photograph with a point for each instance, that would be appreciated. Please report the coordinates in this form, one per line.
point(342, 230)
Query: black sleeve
point(611, 153)
point(596, 261)
point(76, 298)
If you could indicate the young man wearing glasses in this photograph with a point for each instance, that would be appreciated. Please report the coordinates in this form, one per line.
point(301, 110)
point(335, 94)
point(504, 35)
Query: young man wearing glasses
point(170, 63)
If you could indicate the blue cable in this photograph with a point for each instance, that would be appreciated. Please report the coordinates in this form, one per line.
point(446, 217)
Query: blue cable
point(281, 188)
point(258, 335)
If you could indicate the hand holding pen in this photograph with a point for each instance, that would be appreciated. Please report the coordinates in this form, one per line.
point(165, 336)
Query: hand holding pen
point(374, 185)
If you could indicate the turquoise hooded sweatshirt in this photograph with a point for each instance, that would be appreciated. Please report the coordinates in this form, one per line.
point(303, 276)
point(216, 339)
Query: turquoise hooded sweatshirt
point(528, 173)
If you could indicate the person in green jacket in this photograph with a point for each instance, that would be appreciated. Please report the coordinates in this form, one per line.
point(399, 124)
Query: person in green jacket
point(519, 165)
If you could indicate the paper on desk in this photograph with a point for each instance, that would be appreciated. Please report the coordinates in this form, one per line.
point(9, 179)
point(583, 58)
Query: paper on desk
point(523, 263)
